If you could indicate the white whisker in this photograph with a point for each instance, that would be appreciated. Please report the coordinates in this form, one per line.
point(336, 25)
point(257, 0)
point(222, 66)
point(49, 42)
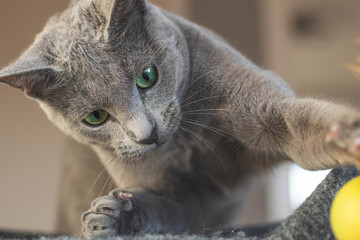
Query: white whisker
point(211, 128)
point(111, 158)
point(197, 79)
point(208, 144)
point(203, 110)
point(202, 99)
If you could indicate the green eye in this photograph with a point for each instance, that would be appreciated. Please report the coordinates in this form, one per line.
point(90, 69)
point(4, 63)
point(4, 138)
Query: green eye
point(97, 117)
point(147, 78)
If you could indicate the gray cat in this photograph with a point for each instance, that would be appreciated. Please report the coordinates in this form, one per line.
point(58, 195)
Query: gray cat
point(178, 118)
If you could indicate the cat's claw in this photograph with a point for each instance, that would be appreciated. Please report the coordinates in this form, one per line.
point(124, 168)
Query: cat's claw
point(111, 216)
point(346, 138)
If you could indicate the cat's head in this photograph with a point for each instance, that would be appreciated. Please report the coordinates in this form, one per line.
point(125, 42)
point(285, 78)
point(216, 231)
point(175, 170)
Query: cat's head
point(107, 72)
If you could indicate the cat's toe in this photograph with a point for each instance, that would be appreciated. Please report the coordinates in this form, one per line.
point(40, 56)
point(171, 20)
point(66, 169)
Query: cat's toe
point(111, 216)
point(107, 205)
point(345, 137)
point(95, 225)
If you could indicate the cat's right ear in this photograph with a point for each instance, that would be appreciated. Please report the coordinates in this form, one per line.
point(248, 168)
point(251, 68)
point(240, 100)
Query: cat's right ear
point(119, 13)
point(30, 73)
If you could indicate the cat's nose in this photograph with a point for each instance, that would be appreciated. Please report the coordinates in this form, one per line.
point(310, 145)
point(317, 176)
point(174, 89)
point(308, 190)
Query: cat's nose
point(142, 129)
point(152, 138)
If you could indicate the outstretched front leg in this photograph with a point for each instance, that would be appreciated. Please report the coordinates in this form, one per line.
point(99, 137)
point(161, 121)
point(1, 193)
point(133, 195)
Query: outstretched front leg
point(137, 212)
point(315, 134)
point(321, 134)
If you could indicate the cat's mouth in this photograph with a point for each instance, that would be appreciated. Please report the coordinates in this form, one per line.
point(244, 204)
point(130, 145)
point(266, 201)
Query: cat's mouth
point(138, 150)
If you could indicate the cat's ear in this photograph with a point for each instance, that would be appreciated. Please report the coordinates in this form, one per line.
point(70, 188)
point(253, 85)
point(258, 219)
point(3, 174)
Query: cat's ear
point(119, 13)
point(30, 73)
point(73, 2)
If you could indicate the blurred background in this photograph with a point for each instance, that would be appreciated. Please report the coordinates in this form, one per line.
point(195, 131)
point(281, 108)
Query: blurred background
point(306, 42)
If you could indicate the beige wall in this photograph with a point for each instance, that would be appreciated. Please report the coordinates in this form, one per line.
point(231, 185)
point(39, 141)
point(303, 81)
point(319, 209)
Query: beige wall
point(30, 145)
point(309, 43)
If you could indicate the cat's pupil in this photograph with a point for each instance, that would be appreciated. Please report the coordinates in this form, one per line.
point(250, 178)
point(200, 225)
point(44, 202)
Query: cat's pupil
point(96, 114)
point(146, 77)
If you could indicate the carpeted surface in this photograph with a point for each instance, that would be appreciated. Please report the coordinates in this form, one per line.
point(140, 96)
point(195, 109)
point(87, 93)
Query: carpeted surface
point(225, 233)
point(309, 221)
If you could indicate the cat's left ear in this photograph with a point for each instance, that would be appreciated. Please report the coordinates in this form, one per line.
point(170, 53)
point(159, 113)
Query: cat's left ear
point(120, 12)
point(30, 73)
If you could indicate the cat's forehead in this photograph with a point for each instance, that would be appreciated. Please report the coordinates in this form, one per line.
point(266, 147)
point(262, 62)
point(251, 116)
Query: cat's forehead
point(70, 36)
point(76, 39)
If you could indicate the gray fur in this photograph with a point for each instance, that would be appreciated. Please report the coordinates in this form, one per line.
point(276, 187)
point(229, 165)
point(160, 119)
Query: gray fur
point(219, 118)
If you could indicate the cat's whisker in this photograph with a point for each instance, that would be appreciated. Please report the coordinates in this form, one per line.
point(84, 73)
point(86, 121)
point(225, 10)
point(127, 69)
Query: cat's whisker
point(117, 167)
point(202, 99)
point(110, 186)
point(219, 131)
point(211, 128)
point(96, 180)
point(109, 179)
point(191, 95)
point(208, 144)
point(197, 79)
point(124, 169)
point(202, 113)
point(195, 139)
point(209, 109)
point(106, 183)
point(106, 164)
point(183, 138)
point(187, 88)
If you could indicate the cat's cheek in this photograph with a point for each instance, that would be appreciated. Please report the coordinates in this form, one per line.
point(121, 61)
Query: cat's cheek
point(56, 118)
point(76, 132)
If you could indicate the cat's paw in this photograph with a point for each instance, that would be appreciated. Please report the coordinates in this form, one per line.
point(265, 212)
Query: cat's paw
point(111, 216)
point(345, 137)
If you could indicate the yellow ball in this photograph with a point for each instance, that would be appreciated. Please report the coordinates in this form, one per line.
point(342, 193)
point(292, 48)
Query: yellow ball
point(345, 211)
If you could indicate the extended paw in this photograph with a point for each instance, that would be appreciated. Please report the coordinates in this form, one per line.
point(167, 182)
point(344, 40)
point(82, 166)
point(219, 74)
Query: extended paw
point(110, 216)
point(345, 136)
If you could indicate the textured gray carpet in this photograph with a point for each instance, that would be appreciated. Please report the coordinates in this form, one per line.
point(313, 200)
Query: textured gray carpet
point(309, 221)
